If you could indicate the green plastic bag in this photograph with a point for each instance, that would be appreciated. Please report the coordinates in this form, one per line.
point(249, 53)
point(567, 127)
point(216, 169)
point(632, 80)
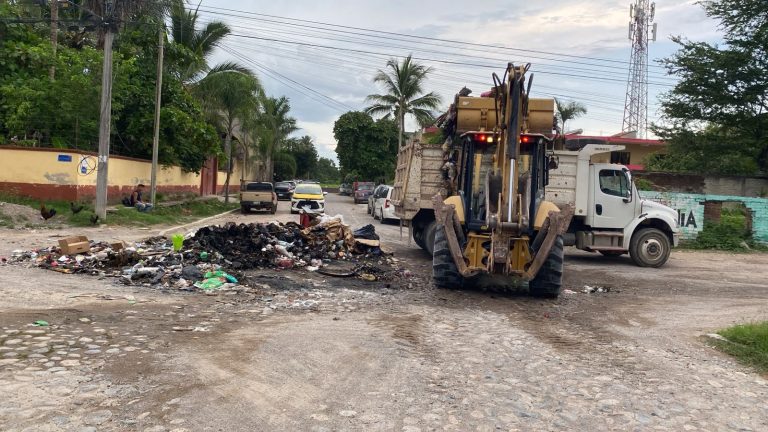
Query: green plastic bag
point(210, 284)
point(41, 323)
point(221, 274)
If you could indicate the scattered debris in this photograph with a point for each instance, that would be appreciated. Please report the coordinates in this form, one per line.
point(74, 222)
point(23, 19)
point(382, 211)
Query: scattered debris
point(595, 289)
point(716, 337)
point(212, 258)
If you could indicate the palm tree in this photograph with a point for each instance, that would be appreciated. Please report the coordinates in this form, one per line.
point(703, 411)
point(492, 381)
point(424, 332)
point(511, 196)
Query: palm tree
point(404, 94)
point(568, 111)
point(229, 98)
point(273, 125)
point(193, 46)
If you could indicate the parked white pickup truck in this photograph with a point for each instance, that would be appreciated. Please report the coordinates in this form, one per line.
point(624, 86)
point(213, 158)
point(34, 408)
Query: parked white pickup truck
point(609, 215)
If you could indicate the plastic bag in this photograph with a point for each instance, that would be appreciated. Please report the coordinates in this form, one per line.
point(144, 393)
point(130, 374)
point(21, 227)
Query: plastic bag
point(367, 232)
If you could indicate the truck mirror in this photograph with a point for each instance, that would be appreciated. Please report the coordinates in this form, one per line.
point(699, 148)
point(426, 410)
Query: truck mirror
point(628, 177)
point(553, 163)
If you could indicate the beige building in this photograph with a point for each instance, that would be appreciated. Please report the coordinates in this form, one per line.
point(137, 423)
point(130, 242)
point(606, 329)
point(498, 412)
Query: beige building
point(634, 154)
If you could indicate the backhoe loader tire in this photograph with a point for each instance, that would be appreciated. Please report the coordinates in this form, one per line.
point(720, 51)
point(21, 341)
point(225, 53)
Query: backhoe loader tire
point(444, 271)
point(549, 280)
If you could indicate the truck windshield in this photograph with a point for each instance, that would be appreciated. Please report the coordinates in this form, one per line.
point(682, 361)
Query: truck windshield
point(613, 182)
point(365, 187)
point(258, 187)
point(282, 185)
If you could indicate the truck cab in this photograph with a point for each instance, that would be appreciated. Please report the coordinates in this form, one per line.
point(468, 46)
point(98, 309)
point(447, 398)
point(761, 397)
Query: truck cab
point(610, 217)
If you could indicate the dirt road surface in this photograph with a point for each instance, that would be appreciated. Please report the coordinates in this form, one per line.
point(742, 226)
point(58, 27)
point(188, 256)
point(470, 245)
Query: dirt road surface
point(310, 352)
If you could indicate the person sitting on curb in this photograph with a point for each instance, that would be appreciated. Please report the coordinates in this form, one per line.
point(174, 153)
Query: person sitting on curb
point(136, 199)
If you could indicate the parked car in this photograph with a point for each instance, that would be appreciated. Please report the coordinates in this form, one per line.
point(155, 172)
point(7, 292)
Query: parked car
point(258, 196)
point(284, 190)
point(383, 209)
point(378, 192)
point(345, 189)
point(362, 192)
point(309, 196)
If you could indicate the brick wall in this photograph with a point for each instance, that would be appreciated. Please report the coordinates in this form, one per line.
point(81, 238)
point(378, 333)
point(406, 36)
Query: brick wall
point(707, 184)
point(691, 210)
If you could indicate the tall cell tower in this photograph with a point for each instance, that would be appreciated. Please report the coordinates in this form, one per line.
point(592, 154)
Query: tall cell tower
point(642, 29)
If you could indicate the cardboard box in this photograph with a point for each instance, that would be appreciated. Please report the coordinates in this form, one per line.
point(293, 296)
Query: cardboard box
point(74, 245)
point(117, 245)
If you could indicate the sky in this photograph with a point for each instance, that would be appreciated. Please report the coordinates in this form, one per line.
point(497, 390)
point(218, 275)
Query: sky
point(579, 50)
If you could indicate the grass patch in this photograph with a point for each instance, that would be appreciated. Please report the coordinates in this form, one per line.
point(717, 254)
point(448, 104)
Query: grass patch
point(748, 343)
point(186, 211)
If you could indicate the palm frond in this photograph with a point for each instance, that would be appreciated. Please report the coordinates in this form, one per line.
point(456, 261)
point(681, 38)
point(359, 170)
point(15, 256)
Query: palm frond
point(378, 109)
point(430, 100)
point(210, 37)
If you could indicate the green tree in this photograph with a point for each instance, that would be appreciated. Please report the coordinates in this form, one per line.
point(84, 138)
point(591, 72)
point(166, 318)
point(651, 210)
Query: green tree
point(192, 46)
point(326, 170)
point(366, 147)
point(272, 125)
point(404, 94)
point(285, 166)
point(715, 119)
point(229, 98)
point(304, 152)
point(568, 110)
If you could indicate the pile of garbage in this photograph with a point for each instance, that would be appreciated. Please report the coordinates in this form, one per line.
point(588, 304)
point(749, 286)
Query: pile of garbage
point(211, 258)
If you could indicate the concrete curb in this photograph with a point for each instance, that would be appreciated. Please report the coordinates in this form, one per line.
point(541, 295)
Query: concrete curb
point(182, 227)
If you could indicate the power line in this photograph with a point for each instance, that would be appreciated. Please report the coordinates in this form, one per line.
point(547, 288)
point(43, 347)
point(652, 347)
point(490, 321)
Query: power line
point(275, 73)
point(478, 65)
point(542, 67)
point(569, 63)
point(418, 38)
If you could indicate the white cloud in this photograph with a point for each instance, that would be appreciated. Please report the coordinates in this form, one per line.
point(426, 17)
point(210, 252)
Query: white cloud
point(592, 28)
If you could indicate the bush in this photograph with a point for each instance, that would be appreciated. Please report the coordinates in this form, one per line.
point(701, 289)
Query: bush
point(644, 184)
point(728, 234)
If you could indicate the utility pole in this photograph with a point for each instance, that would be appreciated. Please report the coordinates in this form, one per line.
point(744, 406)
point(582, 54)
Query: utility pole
point(54, 35)
point(642, 30)
point(105, 120)
point(158, 97)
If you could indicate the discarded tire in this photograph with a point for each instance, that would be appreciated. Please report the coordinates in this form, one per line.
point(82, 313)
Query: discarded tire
point(549, 280)
point(444, 271)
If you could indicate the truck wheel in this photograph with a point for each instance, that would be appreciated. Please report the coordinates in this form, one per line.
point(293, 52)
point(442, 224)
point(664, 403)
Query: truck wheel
point(549, 280)
point(428, 237)
point(418, 236)
point(244, 209)
point(444, 271)
point(649, 247)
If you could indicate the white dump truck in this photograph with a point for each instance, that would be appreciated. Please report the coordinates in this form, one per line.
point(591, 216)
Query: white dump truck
point(609, 215)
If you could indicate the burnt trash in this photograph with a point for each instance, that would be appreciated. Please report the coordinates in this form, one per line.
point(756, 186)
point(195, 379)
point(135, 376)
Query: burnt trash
point(231, 248)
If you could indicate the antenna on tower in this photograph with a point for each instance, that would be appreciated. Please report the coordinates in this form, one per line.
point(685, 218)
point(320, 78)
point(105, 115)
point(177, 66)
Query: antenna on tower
point(642, 29)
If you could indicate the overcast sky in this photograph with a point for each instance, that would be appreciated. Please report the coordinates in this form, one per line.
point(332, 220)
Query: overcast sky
point(579, 50)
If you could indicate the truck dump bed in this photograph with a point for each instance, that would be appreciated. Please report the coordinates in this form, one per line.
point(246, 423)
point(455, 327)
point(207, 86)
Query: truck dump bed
point(561, 189)
point(417, 178)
